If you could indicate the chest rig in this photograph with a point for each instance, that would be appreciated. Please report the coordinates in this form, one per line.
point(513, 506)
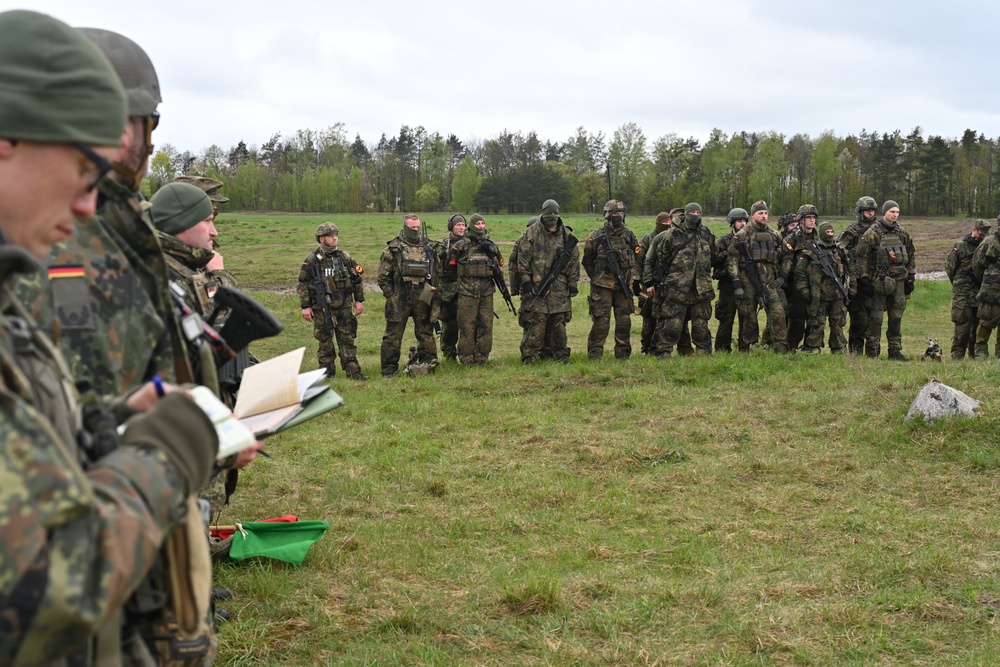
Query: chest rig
point(892, 256)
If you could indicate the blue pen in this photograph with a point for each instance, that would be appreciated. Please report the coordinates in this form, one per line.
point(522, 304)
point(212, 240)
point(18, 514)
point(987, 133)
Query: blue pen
point(158, 384)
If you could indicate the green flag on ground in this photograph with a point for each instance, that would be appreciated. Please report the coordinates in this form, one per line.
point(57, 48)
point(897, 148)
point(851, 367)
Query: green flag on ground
point(287, 541)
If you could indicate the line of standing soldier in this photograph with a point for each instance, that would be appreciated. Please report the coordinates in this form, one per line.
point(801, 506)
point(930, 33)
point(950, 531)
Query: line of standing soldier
point(973, 267)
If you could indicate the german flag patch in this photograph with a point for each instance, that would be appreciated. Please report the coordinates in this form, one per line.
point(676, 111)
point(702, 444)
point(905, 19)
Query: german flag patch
point(66, 271)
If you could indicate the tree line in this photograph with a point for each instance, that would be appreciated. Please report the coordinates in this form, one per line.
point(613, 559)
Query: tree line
point(324, 172)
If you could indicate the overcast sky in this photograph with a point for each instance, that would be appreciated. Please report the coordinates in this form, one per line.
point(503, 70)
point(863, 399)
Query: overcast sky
point(245, 70)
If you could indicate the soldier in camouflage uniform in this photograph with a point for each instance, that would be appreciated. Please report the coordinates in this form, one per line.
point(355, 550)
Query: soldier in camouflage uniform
point(330, 277)
point(105, 286)
point(986, 269)
point(663, 220)
point(886, 272)
point(763, 244)
point(448, 288)
point(607, 294)
point(472, 259)
point(407, 270)
point(860, 305)
point(818, 291)
point(74, 543)
point(725, 306)
point(964, 288)
point(544, 318)
point(805, 232)
point(679, 268)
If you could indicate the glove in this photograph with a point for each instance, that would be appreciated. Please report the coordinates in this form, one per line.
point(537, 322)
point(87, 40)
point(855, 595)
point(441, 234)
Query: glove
point(182, 430)
point(573, 291)
point(777, 283)
point(909, 285)
point(636, 287)
point(866, 286)
point(806, 296)
point(527, 289)
point(738, 292)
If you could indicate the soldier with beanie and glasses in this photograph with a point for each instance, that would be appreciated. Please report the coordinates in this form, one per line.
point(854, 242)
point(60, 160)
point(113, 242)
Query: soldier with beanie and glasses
point(62, 528)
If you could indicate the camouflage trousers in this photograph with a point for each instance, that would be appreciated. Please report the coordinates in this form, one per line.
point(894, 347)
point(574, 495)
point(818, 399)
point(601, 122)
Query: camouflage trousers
point(423, 329)
point(475, 328)
point(603, 302)
point(966, 320)
point(544, 335)
point(989, 320)
point(725, 313)
point(777, 326)
point(345, 330)
point(449, 328)
point(893, 305)
point(646, 338)
point(797, 316)
point(859, 308)
point(821, 312)
point(673, 324)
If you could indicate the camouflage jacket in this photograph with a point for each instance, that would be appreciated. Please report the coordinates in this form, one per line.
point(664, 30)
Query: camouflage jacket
point(595, 261)
point(792, 248)
point(186, 266)
point(109, 330)
point(848, 242)
point(721, 255)
point(448, 280)
point(341, 277)
point(402, 272)
point(125, 214)
point(538, 249)
point(679, 263)
point(472, 265)
point(809, 276)
point(964, 284)
point(764, 245)
point(986, 269)
point(885, 252)
point(74, 544)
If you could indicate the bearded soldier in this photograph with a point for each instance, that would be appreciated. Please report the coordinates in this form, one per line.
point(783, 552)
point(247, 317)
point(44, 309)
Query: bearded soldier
point(679, 267)
point(331, 293)
point(886, 273)
point(407, 278)
point(821, 280)
point(753, 268)
point(861, 304)
point(964, 288)
point(725, 306)
point(609, 259)
point(548, 268)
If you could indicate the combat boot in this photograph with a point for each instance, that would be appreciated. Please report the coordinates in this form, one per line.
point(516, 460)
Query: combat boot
point(357, 376)
point(896, 355)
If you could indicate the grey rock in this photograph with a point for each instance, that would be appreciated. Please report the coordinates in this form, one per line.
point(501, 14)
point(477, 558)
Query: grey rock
point(936, 400)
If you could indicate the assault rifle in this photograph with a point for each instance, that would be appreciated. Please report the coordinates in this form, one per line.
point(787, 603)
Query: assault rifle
point(558, 264)
point(826, 266)
point(611, 257)
point(489, 250)
point(750, 266)
point(322, 289)
point(427, 294)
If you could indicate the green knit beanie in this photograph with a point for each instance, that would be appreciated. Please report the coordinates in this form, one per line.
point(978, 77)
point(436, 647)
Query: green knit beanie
point(55, 85)
point(690, 208)
point(888, 205)
point(550, 207)
point(179, 206)
point(475, 218)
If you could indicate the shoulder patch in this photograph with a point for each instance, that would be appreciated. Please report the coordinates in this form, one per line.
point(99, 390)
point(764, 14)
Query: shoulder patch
point(66, 271)
point(638, 249)
point(500, 261)
point(789, 245)
point(359, 269)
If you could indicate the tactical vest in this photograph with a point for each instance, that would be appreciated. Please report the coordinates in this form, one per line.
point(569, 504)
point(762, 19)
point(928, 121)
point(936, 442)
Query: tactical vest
point(763, 247)
point(336, 271)
point(201, 285)
point(891, 256)
point(475, 264)
point(415, 262)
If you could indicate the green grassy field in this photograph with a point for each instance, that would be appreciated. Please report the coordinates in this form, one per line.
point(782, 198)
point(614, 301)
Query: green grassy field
point(734, 509)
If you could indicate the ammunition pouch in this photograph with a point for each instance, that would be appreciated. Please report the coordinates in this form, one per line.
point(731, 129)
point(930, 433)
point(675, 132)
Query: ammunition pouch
point(476, 268)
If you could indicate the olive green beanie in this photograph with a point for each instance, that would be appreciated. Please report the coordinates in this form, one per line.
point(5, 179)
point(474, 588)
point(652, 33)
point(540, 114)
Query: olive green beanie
point(551, 206)
point(177, 207)
point(692, 207)
point(476, 218)
point(55, 85)
point(888, 204)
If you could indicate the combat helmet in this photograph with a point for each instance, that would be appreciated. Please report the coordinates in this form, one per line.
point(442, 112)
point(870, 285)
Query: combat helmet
point(806, 209)
point(612, 206)
point(865, 204)
point(326, 229)
point(737, 214)
point(210, 186)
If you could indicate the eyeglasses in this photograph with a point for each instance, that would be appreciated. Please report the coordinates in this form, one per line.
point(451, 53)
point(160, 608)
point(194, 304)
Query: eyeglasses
point(103, 166)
